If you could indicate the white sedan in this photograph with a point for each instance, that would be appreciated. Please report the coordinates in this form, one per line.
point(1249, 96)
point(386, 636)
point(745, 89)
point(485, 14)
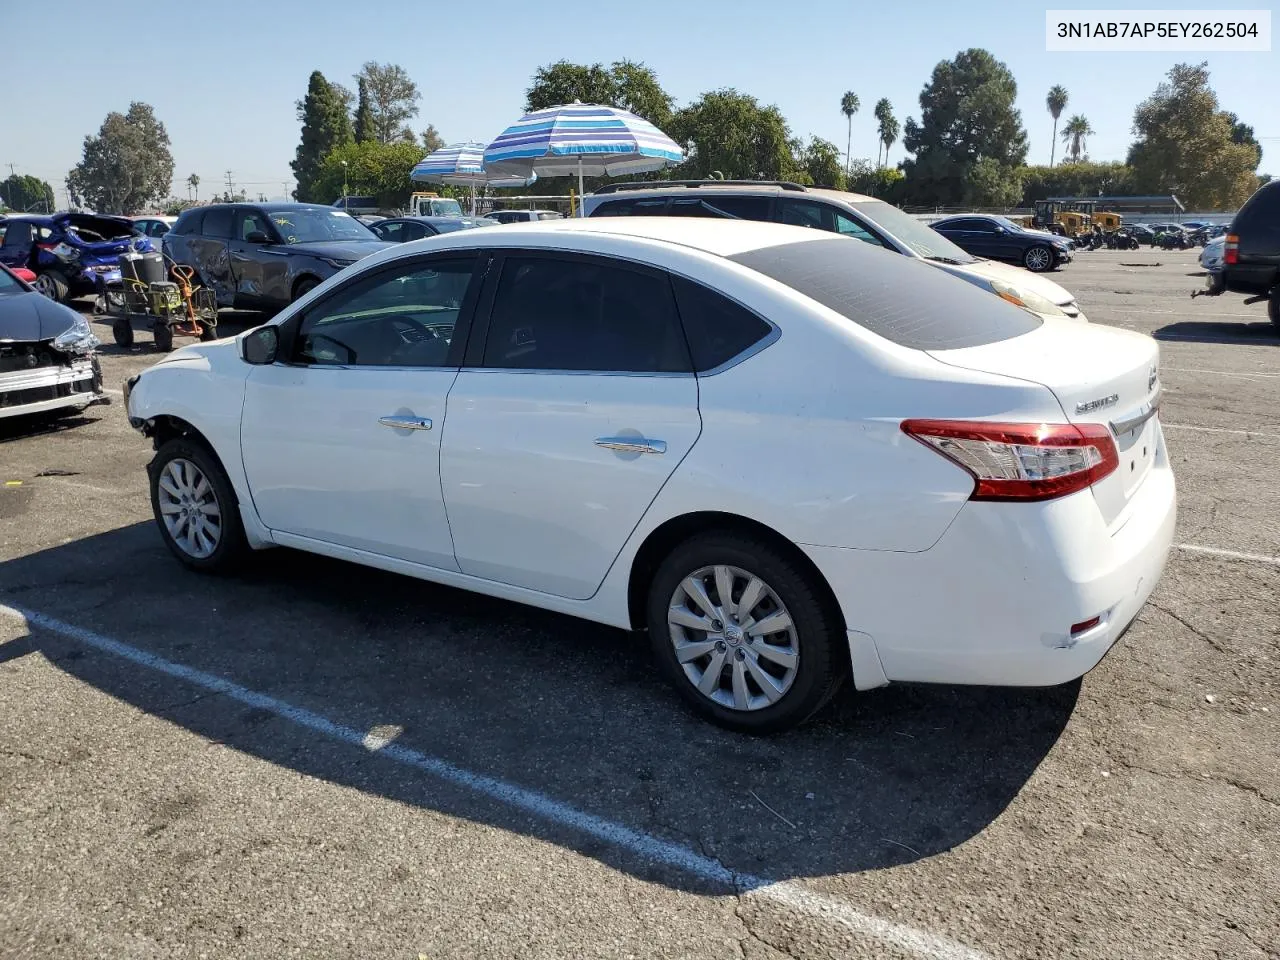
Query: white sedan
point(791, 458)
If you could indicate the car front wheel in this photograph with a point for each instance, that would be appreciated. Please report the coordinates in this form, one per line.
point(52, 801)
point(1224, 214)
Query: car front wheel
point(195, 507)
point(743, 632)
point(1038, 259)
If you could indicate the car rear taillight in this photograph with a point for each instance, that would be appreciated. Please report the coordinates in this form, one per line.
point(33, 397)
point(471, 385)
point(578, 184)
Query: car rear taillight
point(1021, 461)
point(1231, 250)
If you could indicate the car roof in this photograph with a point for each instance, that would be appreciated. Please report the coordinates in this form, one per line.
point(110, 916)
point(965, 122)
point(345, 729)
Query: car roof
point(764, 189)
point(722, 238)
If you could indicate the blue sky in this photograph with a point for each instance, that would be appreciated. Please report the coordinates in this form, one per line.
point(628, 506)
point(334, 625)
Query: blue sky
point(226, 85)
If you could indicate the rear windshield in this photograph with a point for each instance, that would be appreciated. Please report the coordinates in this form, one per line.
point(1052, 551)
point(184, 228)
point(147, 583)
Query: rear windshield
point(895, 297)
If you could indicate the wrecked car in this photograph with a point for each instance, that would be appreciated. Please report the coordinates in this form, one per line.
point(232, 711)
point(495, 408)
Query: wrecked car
point(69, 252)
point(47, 359)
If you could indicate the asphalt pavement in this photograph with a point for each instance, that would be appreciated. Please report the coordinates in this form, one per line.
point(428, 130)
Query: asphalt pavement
point(315, 759)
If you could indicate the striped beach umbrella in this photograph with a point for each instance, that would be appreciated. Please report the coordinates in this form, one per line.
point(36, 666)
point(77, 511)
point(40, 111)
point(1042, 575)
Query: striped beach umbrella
point(462, 165)
point(584, 139)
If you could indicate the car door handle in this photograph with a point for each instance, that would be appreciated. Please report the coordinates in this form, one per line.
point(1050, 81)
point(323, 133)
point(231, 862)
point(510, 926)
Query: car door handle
point(632, 444)
point(406, 423)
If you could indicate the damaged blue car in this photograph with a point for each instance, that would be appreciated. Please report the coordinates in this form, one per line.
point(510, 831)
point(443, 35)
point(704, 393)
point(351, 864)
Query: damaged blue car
point(71, 254)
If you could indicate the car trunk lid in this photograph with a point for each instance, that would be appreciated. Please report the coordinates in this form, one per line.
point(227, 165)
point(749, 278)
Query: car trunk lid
point(1099, 375)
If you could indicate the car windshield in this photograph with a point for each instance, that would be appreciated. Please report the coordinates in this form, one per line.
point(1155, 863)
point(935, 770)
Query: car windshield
point(925, 241)
point(311, 224)
point(1006, 223)
point(446, 208)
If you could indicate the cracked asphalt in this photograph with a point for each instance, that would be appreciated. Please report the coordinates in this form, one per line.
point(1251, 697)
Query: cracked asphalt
point(1130, 815)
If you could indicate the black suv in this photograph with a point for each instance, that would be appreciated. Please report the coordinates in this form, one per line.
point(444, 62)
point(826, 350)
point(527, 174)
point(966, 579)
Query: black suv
point(1251, 258)
point(264, 256)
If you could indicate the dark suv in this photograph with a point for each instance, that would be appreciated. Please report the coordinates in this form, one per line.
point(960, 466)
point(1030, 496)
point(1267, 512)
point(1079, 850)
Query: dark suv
point(1251, 257)
point(265, 256)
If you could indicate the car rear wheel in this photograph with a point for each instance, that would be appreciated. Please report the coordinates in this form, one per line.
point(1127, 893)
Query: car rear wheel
point(743, 633)
point(1038, 259)
point(52, 286)
point(195, 507)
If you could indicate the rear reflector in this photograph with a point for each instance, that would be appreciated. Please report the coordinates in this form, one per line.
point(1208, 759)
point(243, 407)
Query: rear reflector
point(1085, 625)
point(1021, 461)
point(1231, 250)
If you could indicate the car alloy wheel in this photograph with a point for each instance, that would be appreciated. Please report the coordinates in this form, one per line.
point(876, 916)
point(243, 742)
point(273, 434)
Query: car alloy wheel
point(45, 285)
point(189, 507)
point(733, 637)
point(1038, 259)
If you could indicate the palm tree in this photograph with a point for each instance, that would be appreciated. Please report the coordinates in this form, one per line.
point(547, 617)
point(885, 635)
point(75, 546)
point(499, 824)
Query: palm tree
point(1056, 101)
point(849, 105)
point(1074, 135)
point(193, 182)
point(888, 127)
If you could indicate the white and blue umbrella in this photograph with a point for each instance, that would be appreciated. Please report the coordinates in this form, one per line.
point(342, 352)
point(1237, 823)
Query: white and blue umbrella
point(584, 139)
point(462, 164)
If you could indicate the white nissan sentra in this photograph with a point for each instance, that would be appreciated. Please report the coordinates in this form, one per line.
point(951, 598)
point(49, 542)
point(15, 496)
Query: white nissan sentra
point(789, 457)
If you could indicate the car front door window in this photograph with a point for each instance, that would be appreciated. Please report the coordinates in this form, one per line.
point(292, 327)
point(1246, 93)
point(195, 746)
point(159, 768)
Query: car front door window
point(848, 227)
point(401, 318)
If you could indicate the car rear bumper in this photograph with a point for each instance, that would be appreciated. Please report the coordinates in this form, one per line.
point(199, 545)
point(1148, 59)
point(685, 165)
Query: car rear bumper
point(40, 389)
point(995, 600)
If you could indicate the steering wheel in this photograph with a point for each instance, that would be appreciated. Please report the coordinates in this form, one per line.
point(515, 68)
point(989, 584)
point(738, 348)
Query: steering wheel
point(417, 325)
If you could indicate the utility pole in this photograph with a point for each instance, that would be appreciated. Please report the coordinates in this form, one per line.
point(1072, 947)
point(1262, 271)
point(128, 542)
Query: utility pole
point(230, 187)
point(12, 172)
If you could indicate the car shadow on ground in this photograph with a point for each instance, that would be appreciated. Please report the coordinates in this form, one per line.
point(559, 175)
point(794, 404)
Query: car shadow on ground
point(1263, 333)
point(37, 424)
point(568, 709)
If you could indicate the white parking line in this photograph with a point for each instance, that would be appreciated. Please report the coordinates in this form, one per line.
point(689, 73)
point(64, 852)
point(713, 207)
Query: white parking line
point(788, 894)
point(1229, 554)
point(1221, 373)
point(1251, 434)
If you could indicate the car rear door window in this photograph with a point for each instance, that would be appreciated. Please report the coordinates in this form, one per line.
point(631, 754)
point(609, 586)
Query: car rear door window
point(217, 223)
point(898, 298)
point(413, 231)
point(403, 317)
point(553, 313)
point(392, 231)
point(741, 207)
point(18, 234)
point(717, 328)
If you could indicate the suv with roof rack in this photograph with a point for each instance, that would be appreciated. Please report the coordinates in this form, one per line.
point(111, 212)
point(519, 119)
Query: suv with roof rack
point(849, 214)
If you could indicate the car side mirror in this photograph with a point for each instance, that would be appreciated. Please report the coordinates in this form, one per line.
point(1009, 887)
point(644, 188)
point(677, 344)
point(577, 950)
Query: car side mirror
point(259, 346)
point(257, 236)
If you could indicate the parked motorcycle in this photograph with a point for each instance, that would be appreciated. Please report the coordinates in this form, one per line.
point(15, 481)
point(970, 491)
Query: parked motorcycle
point(1173, 240)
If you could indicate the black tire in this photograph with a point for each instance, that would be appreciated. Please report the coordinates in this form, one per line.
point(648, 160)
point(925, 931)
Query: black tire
point(820, 639)
point(208, 333)
point(53, 286)
point(304, 286)
point(1038, 259)
point(231, 545)
point(163, 335)
point(122, 332)
point(1273, 307)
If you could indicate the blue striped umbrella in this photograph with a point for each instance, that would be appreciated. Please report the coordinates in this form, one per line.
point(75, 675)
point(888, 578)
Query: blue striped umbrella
point(462, 164)
point(583, 139)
